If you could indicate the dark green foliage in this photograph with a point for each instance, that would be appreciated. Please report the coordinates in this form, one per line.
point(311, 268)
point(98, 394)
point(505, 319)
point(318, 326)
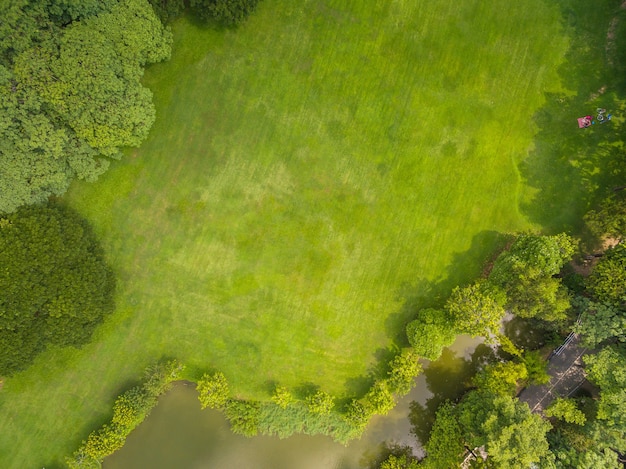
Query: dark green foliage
point(526, 272)
point(536, 367)
point(213, 391)
point(226, 12)
point(607, 282)
point(445, 445)
point(168, 10)
point(56, 287)
point(129, 410)
point(70, 91)
point(244, 416)
point(430, 333)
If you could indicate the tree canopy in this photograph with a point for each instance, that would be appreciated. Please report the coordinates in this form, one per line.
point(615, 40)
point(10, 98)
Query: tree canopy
point(54, 281)
point(70, 91)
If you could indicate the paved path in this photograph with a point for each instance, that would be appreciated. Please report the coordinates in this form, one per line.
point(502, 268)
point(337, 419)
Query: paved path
point(566, 371)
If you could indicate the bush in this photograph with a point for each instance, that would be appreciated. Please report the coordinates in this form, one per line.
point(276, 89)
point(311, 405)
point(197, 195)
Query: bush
point(404, 368)
point(282, 397)
point(244, 416)
point(129, 410)
point(320, 403)
point(226, 12)
point(213, 391)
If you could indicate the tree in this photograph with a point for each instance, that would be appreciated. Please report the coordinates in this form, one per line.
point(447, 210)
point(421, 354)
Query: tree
point(226, 12)
point(70, 91)
point(526, 272)
point(500, 378)
point(213, 391)
point(431, 333)
point(476, 309)
point(607, 370)
point(607, 282)
point(566, 410)
point(536, 367)
point(379, 399)
point(399, 462)
point(445, 445)
point(404, 369)
point(514, 438)
point(600, 322)
point(56, 287)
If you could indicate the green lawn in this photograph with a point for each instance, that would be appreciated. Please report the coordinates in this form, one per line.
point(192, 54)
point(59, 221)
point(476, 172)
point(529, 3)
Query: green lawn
point(307, 175)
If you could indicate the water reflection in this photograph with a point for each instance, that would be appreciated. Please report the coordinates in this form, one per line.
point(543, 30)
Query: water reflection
point(178, 435)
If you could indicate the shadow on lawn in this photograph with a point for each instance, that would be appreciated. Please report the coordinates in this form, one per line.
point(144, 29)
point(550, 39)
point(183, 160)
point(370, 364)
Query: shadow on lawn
point(463, 269)
point(570, 169)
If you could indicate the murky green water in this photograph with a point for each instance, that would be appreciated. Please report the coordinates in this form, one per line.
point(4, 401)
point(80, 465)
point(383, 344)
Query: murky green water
point(179, 435)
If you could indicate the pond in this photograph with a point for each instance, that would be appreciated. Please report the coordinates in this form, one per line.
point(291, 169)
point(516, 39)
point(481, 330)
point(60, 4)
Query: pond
point(177, 434)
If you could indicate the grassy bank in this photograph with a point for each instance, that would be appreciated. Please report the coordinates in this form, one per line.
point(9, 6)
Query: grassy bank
point(308, 175)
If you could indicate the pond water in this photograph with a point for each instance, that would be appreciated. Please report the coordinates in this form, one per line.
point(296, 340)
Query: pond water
point(177, 434)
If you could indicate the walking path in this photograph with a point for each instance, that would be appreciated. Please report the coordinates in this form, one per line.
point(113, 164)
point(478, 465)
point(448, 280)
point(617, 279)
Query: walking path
point(566, 375)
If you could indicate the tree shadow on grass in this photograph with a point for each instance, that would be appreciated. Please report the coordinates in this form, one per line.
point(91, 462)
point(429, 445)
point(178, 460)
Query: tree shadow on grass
point(571, 168)
point(464, 268)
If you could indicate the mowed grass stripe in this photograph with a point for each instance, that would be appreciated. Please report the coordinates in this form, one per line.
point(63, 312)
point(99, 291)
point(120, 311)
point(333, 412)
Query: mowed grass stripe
point(307, 174)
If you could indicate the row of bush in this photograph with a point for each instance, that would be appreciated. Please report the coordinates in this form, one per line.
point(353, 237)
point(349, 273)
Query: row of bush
point(316, 413)
point(129, 410)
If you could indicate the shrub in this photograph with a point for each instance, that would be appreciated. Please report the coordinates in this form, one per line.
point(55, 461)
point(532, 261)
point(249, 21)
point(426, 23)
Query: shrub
point(213, 391)
point(320, 403)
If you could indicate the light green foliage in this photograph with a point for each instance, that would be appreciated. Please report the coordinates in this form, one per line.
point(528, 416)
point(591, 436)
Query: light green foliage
point(399, 462)
point(320, 403)
point(476, 309)
point(129, 410)
point(607, 282)
point(536, 367)
point(599, 322)
point(513, 437)
point(379, 399)
point(445, 445)
point(298, 419)
point(501, 378)
point(357, 413)
point(294, 188)
point(526, 273)
point(609, 220)
point(430, 333)
point(282, 397)
point(227, 12)
point(56, 287)
point(607, 370)
point(73, 95)
point(404, 368)
point(244, 416)
point(159, 376)
point(566, 410)
point(213, 391)
point(568, 458)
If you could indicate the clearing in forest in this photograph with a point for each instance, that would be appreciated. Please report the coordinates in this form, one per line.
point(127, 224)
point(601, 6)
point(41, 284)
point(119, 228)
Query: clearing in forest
point(308, 174)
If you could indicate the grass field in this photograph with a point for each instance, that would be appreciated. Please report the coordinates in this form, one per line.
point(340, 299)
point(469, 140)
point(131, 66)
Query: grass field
point(308, 176)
